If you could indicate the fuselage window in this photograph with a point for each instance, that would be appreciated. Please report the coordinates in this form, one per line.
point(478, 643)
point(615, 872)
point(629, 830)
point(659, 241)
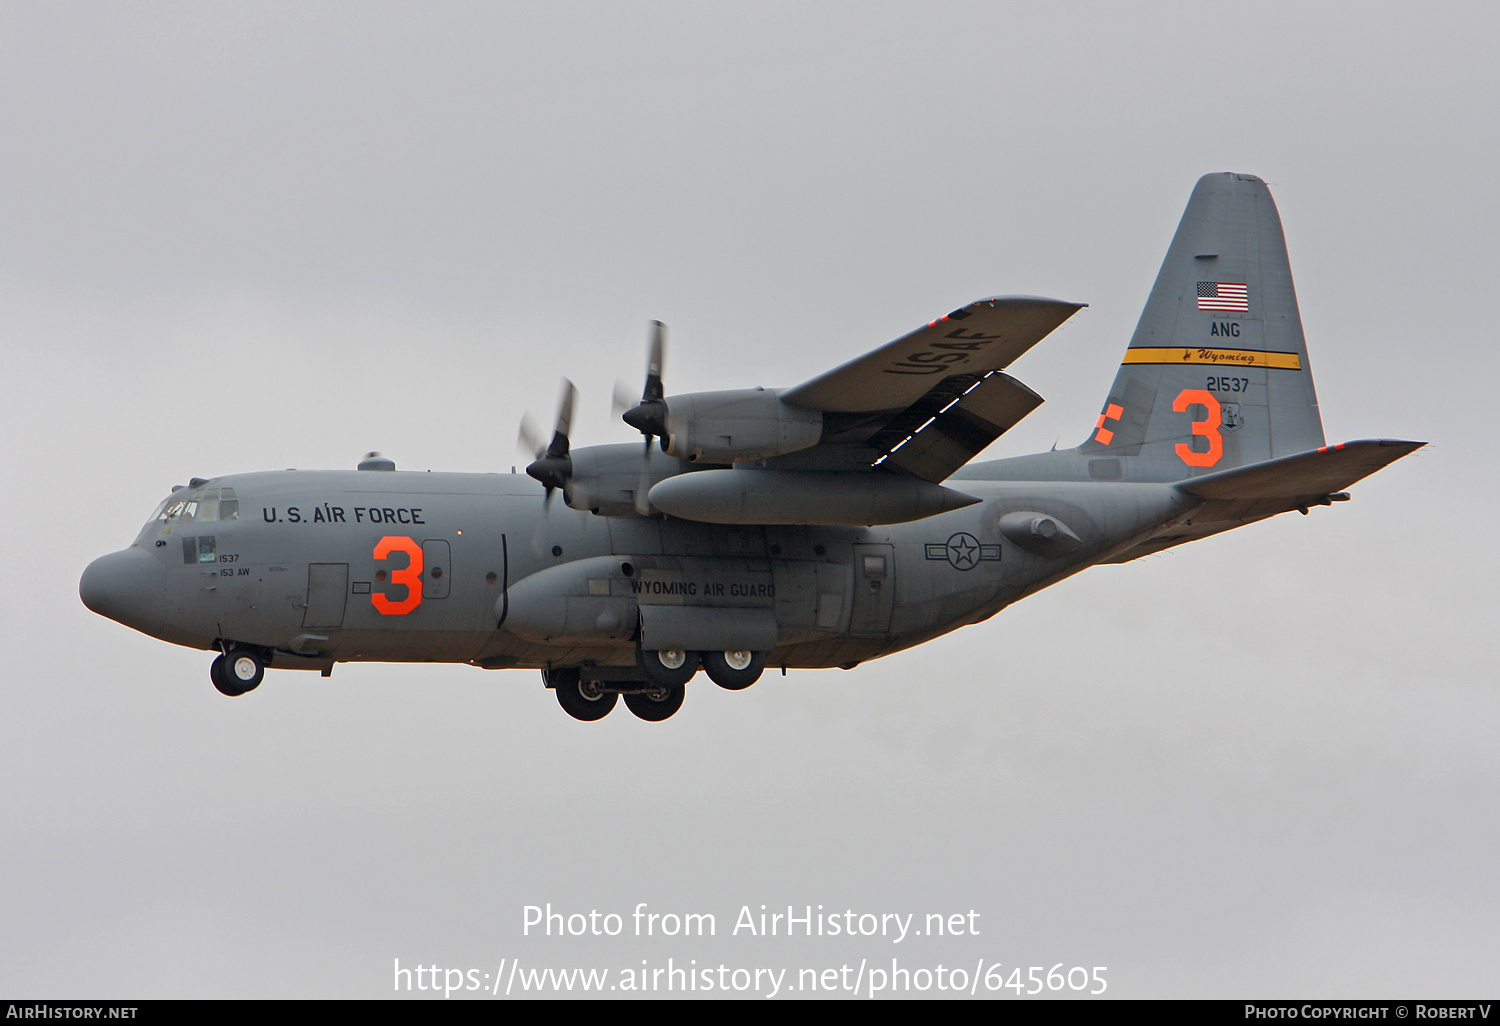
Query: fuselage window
point(199, 550)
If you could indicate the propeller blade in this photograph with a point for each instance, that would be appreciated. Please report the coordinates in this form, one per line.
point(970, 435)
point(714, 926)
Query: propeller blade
point(622, 399)
point(559, 444)
point(553, 466)
point(529, 439)
point(650, 416)
point(653, 391)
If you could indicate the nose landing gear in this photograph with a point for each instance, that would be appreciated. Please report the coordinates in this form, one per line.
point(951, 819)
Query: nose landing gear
point(237, 672)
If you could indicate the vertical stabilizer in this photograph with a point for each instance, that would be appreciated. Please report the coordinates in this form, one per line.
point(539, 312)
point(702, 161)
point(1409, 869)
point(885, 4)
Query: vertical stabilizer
point(1216, 375)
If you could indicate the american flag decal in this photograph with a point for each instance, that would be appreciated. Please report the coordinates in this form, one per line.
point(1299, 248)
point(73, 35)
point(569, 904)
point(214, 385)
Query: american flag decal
point(1223, 295)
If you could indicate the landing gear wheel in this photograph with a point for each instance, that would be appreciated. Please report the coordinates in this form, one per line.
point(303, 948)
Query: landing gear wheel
point(581, 699)
point(216, 674)
point(658, 704)
point(238, 672)
point(668, 668)
point(734, 671)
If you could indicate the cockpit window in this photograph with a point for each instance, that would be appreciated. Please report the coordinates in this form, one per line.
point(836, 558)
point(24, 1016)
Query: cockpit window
point(218, 504)
point(187, 507)
point(179, 509)
point(206, 507)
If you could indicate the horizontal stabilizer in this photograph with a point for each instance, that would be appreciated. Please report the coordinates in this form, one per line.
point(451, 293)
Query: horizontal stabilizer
point(1319, 472)
point(986, 335)
point(1244, 495)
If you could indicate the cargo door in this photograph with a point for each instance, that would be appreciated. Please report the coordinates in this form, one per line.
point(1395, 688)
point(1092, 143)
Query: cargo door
point(327, 591)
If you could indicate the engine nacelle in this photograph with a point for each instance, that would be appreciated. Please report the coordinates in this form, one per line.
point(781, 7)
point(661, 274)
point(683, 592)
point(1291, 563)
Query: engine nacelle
point(605, 478)
point(587, 601)
point(737, 425)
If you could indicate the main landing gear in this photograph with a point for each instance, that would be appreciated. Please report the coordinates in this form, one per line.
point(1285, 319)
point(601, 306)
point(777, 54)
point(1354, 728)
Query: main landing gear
point(580, 699)
point(734, 671)
point(666, 674)
point(656, 704)
point(237, 672)
point(670, 667)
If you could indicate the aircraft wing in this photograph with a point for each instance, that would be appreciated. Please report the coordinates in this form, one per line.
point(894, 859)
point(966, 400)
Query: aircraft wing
point(1246, 494)
point(927, 403)
point(983, 336)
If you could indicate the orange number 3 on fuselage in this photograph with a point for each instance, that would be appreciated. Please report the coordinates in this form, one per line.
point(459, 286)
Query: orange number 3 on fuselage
point(409, 575)
point(1207, 428)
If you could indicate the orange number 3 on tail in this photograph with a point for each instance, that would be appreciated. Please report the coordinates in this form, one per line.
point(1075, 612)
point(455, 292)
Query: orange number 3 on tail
point(1207, 428)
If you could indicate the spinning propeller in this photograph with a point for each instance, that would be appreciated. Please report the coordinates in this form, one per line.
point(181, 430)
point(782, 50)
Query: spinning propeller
point(553, 466)
point(649, 416)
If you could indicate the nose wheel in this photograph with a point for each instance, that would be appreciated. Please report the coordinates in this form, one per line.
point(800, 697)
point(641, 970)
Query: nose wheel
point(237, 672)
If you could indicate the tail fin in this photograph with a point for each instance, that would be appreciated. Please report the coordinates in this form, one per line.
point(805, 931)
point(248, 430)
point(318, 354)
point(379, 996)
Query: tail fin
point(1216, 375)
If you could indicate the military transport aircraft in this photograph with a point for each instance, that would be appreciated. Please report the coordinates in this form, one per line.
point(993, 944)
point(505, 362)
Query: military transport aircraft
point(815, 526)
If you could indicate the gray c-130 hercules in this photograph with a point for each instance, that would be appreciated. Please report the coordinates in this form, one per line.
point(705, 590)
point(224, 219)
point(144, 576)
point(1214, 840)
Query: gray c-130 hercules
point(815, 526)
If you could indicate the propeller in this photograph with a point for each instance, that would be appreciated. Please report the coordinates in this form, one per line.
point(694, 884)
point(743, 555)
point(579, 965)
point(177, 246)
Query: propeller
point(649, 416)
point(553, 467)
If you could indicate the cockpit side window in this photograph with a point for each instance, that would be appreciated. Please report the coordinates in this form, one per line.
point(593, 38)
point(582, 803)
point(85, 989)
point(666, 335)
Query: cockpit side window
point(199, 550)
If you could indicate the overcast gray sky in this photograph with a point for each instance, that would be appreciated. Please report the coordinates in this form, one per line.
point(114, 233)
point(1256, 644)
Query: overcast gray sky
point(237, 237)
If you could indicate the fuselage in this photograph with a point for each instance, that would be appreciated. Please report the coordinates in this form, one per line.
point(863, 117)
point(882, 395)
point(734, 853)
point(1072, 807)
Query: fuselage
point(320, 567)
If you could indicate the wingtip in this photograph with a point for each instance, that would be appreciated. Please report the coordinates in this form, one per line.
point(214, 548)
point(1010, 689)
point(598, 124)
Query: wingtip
point(1022, 300)
point(1397, 443)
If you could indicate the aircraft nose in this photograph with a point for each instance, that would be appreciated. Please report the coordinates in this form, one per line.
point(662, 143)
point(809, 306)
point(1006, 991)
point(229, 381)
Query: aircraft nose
point(125, 586)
